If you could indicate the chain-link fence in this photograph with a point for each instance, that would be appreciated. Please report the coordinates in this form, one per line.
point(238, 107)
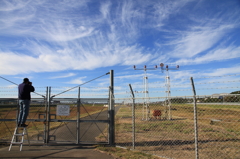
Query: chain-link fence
point(165, 119)
point(9, 109)
point(62, 114)
point(169, 126)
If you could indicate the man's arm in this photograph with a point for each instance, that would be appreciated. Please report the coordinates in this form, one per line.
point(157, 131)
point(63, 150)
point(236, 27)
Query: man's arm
point(31, 88)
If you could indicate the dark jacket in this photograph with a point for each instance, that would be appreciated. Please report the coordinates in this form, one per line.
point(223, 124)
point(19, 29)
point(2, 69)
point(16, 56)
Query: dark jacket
point(24, 91)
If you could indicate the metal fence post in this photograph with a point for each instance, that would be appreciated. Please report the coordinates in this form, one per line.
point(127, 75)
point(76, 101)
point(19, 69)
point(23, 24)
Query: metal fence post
point(133, 117)
point(46, 112)
point(17, 114)
point(78, 116)
point(111, 111)
point(195, 119)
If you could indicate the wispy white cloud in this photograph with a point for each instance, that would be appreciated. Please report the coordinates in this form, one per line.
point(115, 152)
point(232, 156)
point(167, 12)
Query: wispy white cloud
point(223, 71)
point(202, 33)
point(63, 76)
point(105, 9)
point(218, 54)
point(18, 64)
point(164, 9)
point(79, 80)
point(12, 5)
point(198, 40)
point(62, 31)
point(55, 44)
point(30, 77)
point(130, 76)
point(72, 35)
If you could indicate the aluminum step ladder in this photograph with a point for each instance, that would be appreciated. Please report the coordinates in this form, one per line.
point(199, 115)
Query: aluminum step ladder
point(16, 133)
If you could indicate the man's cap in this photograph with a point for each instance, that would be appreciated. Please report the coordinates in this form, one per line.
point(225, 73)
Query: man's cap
point(25, 80)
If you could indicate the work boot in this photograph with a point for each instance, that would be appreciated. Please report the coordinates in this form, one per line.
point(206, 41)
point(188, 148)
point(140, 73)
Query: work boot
point(23, 125)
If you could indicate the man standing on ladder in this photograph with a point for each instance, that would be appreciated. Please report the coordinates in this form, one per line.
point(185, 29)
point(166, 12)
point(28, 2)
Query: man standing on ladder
point(24, 96)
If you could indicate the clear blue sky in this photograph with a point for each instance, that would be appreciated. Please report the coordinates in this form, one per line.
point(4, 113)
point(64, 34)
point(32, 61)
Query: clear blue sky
point(68, 42)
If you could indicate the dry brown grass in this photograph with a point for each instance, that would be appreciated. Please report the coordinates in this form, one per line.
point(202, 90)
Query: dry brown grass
point(175, 138)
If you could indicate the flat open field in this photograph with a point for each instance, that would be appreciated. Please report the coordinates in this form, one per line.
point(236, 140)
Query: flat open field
point(218, 131)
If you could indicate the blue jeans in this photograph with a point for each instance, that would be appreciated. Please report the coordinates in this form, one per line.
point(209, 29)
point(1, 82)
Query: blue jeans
point(24, 109)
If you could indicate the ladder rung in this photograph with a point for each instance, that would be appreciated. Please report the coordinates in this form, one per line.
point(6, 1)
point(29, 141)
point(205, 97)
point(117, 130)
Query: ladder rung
point(16, 143)
point(18, 134)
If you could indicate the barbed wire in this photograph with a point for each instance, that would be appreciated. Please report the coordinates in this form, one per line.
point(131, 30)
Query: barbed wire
point(83, 91)
point(218, 88)
point(7, 91)
point(217, 76)
point(136, 91)
point(54, 91)
point(180, 90)
point(16, 87)
point(81, 87)
point(218, 82)
point(17, 91)
point(84, 95)
point(183, 79)
point(122, 93)
point(173, 85)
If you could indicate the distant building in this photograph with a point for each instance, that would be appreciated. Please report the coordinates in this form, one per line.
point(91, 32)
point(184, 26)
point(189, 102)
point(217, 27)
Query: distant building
point(219, 96)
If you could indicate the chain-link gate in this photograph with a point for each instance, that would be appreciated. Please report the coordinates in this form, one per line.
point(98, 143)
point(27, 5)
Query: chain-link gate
point(80, 120)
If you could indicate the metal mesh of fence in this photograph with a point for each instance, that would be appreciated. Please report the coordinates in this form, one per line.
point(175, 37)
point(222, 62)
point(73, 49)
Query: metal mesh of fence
point(82, 124)
point(154, 132)
point(218, 111)
point(162, 122)
point(8, 112)
point(218, 127)
point(36, 119)
point(9, 109)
